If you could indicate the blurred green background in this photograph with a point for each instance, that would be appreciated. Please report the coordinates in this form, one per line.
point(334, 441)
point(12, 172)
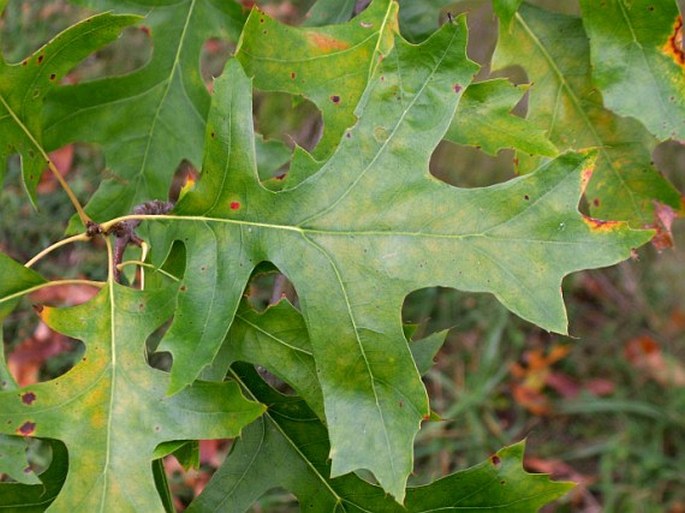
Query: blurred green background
point(605, 408)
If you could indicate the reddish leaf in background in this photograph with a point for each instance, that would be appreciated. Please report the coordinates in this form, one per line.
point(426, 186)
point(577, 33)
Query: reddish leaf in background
point(29, 356)
point(532, 378)
point(63, 159)
point(645, 354)
point(581, 498)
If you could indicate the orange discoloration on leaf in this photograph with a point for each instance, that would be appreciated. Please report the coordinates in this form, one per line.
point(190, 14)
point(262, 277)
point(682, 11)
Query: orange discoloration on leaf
point(674, 45)
point(599, 225)
point(327, 43)
point(585, 176)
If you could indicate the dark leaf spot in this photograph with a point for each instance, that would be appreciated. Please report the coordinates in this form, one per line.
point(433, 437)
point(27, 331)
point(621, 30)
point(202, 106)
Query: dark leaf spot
point(235, 205)
point(53, 76)
point(502, 482)
point(40, 58)
point(595, 202)
point(38, 308)
point(335, 99)
point(146, 30)
point(457, 88)
point(183, 288)
point(526, 197)
point(292, 75)
point(24, 62)
point(212, 135)
point(495, 460)
point(28, 397)
point(27, 428)
point(28, 470)
point(281, 176)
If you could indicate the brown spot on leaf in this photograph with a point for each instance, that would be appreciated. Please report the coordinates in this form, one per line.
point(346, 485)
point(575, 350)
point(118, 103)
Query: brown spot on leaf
point(335, 99)
point(28, 470)
point(28, 397)
point(146, 30)
point(596, 202)
point(24, 62)
point(53, 76)
point(526, 197)
point(212, 135)
point(281, 176)
point(496, 460)
point(27, 428)
point(293, 75)
point(674, 44)
point(457, 88)
point(327, 43)
point(40, 58)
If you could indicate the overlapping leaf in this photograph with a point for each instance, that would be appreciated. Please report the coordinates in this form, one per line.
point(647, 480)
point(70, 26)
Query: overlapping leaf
point(638, 61)
point(328, 65)
point(111, 409)
point(36, 498)
point(24, 86)
point(148, 121)
point(290, 432)
point(553, 49)
point(484, 119)
point(277, 339)
point(516, 240)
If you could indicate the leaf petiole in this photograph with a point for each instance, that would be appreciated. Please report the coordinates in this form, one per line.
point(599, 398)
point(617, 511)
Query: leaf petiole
point(57, 283)
point(81, 237)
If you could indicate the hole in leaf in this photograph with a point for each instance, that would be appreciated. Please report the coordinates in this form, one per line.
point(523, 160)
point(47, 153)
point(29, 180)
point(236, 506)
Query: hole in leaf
point(42, 20)
point(215, 53)
point(190, 466)
point(294, 120)
point(268, 286)
point(454, 164)
point(130, 52)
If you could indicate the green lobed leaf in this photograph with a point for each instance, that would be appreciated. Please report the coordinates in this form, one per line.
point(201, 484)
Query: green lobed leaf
point(553, 49)
point(24, 86)
point(14, 462)
point(36, 498)
point(148, 121)
point(484, 120)
point(638, 61)
point(328, 65)
point(277, 339)
point(117, 403)
point(516, 240)
point(290, 432)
